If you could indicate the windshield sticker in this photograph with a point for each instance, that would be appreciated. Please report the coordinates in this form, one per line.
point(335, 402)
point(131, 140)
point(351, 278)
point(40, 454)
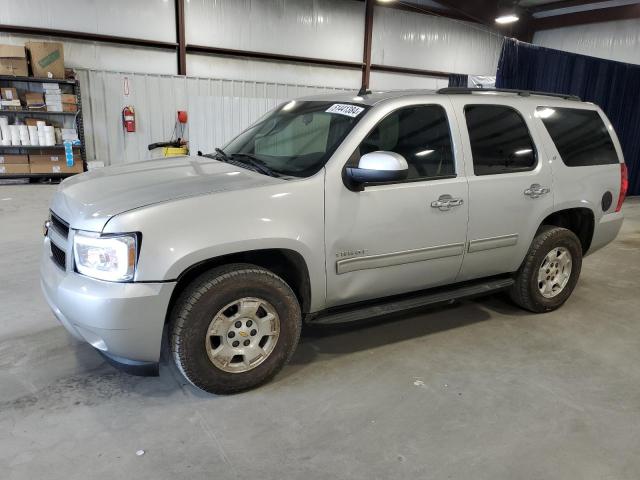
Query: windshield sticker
point(345, 109)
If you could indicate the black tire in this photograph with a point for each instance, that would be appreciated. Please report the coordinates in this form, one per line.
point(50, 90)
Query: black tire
point(207, 295)
point(525, 291)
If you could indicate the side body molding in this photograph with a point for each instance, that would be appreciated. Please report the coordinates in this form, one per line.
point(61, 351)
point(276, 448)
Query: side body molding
point(493, 242)
point(398, 258)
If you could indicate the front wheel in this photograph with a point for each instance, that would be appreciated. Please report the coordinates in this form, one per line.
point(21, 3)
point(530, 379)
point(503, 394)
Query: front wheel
point(550, 271)
point(234, 328)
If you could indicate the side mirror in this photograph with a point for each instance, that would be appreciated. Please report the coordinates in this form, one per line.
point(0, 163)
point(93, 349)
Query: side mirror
point(378, 167)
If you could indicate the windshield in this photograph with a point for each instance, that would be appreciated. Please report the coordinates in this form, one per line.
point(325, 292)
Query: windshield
point(297, 138)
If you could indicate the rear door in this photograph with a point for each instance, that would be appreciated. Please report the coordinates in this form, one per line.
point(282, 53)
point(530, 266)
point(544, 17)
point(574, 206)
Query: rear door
point(510, 183)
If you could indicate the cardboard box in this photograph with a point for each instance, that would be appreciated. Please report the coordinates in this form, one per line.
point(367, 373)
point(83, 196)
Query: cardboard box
point(56, 167)
point(69, 98)
point(33, 122)
point(47, 59)
point(69, 107)
point(9, 93)
point(34, 98)
point(14, 159)
point(11, 104)
point(12, 169)
point(50, 158)
point(13, 61)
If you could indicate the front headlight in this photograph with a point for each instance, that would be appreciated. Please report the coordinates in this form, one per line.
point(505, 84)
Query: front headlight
point(110, 258)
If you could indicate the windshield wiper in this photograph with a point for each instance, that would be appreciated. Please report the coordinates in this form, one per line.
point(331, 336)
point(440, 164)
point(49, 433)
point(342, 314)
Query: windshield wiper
point(256, 163)
point(220, 153)
point(249, 160)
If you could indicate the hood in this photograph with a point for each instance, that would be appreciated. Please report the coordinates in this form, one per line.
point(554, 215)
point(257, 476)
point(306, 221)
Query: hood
point(89, 200)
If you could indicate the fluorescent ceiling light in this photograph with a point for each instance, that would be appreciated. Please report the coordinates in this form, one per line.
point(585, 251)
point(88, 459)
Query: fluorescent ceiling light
point(507, 19)
point(424, 153)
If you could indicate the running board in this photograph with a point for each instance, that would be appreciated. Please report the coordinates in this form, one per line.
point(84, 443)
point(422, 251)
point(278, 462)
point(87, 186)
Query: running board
point(440, 295)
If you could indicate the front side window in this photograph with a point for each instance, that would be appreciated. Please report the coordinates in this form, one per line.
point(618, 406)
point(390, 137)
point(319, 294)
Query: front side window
point(580, 136)
point(297, 138)
point(500, 140)
point(420, 134)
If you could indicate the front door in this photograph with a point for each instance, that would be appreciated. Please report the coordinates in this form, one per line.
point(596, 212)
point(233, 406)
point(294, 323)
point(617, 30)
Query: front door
point(403, 236)
point(510, 184)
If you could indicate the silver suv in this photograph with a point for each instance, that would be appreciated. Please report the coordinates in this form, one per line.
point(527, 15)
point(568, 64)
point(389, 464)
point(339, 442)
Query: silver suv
point(331, 209)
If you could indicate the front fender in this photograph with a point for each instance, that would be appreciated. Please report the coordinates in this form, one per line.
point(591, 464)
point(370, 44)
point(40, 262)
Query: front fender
point(181, 233)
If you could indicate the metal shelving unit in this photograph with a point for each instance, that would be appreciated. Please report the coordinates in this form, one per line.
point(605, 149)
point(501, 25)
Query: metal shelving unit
point(10, 81)
point(38, 112)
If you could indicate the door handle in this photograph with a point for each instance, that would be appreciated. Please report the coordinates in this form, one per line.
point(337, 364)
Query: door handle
point(536, 190)
point(445, 202)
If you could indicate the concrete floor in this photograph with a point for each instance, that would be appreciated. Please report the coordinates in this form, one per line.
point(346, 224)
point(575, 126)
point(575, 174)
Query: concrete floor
point(477, 390)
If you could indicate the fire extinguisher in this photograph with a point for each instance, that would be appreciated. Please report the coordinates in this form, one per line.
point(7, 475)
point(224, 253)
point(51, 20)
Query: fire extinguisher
point(129, 119)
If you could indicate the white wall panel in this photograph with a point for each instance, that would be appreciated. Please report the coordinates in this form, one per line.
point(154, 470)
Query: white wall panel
point(312, 28)
point(99, 56)
point(222, 108)
point(618, 40)
point(395, 81)
point(218, 109)
point(148, 19)
point(428, 42)
point(278, 72)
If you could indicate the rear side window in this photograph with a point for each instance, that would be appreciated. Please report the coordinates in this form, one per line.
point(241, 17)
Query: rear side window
point(421, 135)
point(500, 140)
point(580, 136)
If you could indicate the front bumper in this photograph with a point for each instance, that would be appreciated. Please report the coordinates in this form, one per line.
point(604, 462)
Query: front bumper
point(124, 321)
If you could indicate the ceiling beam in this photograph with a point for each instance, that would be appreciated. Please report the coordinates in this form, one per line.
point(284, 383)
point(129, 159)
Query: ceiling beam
point(600, 15)
point(562, 4)
point(476, 11)
point(427, 10)
point(485, 13)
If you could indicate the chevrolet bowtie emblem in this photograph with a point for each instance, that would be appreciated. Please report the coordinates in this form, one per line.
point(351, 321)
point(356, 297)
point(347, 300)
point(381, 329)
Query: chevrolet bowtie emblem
point(243, 334)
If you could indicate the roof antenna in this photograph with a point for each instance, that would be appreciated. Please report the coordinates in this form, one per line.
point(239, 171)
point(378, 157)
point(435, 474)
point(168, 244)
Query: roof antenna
point(363, 91)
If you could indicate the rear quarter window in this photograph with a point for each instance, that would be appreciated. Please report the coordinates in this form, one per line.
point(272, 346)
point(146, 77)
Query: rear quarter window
point(581, 137)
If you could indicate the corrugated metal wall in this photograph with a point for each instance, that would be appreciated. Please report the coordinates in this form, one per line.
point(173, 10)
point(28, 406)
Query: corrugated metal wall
point(331, 29)
point(402, 38)
point(618, 40)
point(218, 109)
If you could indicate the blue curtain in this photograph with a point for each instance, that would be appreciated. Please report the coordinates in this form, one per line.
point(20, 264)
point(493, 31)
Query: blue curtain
point(614, 86)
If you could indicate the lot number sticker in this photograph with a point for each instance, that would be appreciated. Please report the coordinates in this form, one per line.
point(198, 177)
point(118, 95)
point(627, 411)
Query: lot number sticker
point(345, 109)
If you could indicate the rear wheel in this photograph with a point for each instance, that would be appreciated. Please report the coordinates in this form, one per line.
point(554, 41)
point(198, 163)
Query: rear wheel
point(234, 328)
point(550, 271)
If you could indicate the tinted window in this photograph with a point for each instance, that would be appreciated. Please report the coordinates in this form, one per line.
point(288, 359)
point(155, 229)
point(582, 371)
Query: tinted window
point(421, 135)
point(500, 140)
point(581, 136)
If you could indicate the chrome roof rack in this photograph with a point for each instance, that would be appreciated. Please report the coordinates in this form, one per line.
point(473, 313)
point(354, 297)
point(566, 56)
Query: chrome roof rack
point(522, 93)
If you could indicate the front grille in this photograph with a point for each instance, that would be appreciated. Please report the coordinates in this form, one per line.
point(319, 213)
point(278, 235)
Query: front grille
point(59, 256)
point(60, 225)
